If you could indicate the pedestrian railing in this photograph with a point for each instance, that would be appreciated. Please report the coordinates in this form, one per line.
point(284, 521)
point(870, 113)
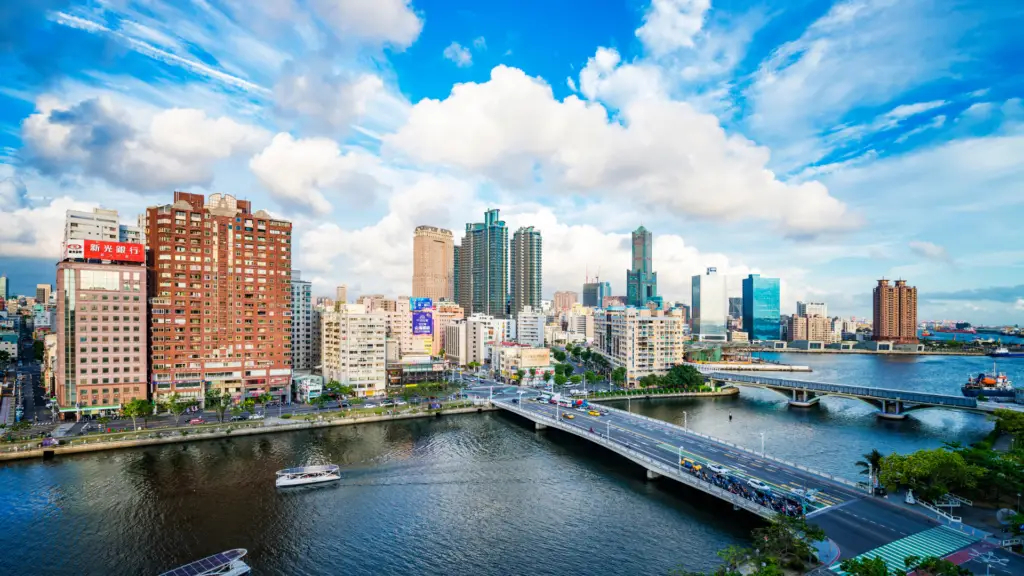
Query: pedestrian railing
point(938, 511)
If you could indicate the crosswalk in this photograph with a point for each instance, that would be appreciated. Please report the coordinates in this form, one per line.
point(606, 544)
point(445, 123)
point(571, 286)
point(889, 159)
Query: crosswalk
point(938, 542)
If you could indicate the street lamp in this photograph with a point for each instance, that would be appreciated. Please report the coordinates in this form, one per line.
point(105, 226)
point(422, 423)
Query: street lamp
point(762, 444)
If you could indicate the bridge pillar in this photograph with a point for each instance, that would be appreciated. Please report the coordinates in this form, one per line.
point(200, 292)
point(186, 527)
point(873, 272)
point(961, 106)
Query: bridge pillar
point(539, 426)
point(652, 475)
point(892, 410)
point(804, 399)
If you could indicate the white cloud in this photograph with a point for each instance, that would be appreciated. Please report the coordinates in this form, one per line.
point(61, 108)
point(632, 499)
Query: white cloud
point(480, 43)
point(908, 110)
point(303, 173)
point(328, 99)
point(1019, 305)
point(936, 122)
point(29, 231)
point(929, 250)
point(671, 24)
point(458, 54)
point(134, 148)
point(12, 193)
point(660, 153)
point(386, 21)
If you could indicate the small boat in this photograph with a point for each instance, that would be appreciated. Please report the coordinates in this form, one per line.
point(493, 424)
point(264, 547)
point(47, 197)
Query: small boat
point(308, 475)
point(1003, 352)
point(995, 386)
point(227, 563)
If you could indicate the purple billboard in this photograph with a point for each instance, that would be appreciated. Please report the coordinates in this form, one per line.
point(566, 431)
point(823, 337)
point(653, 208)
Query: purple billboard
point(422, 323)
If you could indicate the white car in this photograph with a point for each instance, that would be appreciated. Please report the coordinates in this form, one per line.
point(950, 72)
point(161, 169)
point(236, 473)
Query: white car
point(805, 494)
point(720, 470)
point(758, 485)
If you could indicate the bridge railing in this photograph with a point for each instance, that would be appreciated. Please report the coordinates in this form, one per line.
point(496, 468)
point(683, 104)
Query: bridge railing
point(646, 461)
point(862, 391)
point(832, 477)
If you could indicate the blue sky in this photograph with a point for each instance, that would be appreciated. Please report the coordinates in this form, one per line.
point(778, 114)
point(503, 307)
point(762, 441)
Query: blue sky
point(827, 143)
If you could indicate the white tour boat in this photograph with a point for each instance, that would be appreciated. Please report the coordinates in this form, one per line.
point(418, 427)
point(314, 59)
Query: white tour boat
point(308, 475)
point(224, 564)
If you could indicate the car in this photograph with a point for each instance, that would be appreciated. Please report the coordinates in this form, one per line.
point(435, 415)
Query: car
point(594, 413)
point(806, 494)
point(196, 421)
point(369, 405)
point(758, 485)
point(400, 403)
point(345, 404)
point(720, 470)
point(568, 416)
point(236, 418)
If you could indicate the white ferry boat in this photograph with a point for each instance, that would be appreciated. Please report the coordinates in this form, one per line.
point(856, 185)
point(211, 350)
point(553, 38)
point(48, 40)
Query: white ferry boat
point(308, 475)
point(224, 564)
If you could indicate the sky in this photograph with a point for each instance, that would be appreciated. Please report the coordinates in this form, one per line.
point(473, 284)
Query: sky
point(827, 143)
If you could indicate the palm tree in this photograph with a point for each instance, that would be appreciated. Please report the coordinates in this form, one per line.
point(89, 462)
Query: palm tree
point(872, 461)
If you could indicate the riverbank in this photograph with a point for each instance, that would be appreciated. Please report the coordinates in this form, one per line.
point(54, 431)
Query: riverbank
point(749, 367)
point(223, 430)
point(875, 352)
point(646, 394)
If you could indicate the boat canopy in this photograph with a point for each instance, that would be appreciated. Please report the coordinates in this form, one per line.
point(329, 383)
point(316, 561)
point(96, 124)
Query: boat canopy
point(211, 565)
point(325, 468)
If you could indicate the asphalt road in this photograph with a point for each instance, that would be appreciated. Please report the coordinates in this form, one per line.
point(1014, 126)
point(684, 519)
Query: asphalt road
point(855, 521)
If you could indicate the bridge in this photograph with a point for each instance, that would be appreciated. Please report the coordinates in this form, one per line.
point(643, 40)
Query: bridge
point(892, 404)
point(857, 522)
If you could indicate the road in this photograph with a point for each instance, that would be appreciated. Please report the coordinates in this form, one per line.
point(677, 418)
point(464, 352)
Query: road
point(854, 520)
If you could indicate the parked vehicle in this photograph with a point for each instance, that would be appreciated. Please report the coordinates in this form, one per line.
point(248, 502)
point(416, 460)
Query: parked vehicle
point(196, 421)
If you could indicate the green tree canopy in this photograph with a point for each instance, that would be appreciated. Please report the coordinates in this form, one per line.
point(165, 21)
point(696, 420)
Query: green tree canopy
point(1009, 421)
point(560, 379)
point(870, 461)
point(137, 408)
point(619, 376)
point(873, 566)
point(930, 473)
point(591, 376)
point(559, 355)
point(683, 376)
point(575, 378)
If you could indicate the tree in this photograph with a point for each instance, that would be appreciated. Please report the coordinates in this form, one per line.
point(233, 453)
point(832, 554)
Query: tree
point(547, 376)
point(560, 379)
point(1009, 421)
point(338, 390)
point(236, 411)
point(533, 373)
point(519, 375)
point(619, 376)
point(319, 401)
point(734, 556)
point(930, 473)
point(248, 404)
point(5, 362)
point(38, 350)
point(933, 566)
point(871, 461)
point(650, 381)
point(177, 406)
point(219, 402)
point(787, 537)
point(683, 376)
point(137, 408)
point(590, 376)
point(264, 399)
point(575, 378)
point(559, 355)
point(585, 354)
point(873, 566)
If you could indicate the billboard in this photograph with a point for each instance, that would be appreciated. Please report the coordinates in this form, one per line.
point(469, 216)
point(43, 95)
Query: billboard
point(102, 250)
point(422, 323)
point(420, 304)
point(74, 249)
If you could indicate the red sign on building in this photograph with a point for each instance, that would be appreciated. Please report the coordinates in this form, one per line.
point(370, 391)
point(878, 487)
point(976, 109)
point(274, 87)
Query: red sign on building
point(119, 251)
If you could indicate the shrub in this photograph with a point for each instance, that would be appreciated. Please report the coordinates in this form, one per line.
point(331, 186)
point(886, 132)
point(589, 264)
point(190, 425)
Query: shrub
point(286, 416)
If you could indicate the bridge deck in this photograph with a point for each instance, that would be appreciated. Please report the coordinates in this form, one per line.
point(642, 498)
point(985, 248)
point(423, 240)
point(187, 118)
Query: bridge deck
point(858, 391)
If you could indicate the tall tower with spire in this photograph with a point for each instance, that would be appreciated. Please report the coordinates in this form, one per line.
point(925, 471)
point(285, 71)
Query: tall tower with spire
point(641, 279)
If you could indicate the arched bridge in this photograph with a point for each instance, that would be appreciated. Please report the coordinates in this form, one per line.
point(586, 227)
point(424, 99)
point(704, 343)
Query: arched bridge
point(892, 404)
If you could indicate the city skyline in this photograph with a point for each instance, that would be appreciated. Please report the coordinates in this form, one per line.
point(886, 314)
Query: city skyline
point(790, 167)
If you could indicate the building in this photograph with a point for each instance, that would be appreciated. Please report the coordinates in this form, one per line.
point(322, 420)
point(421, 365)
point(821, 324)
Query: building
point(444, 314)
point(457, 275)
point(398, 313)
point(613, 301)
point(595, 292)
point(736, 308)
point(375, 302)
point(49, 367)
point(9, 344)
point(315, 352)
point(641, 280)
point(809, 328)
point(456, 347)
point(433, 263)
point(302, 324)
point(353, 344)
point(895, 312)
point(510, 358)
point(101, 335)
point(760, 304)
point(738, 336)
point(527, 260)
point(563, 301)
point(100, 224)
point(221, 298)
point(811, 308)
point(530, 327)
point(483, 267)
point(43, 293)
point(415, 369)
point(307, 387)
point(341, 294)
point(42, 318)
point(580, 324)
point(5, 288)
point(641, 340)
point(482, 333)
point(710, 306)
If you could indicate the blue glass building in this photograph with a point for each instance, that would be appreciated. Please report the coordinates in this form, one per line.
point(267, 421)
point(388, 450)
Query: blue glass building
point(761, 308)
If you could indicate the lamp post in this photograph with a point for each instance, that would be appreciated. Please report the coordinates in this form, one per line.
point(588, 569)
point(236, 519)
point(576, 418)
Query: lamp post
point(762, 444)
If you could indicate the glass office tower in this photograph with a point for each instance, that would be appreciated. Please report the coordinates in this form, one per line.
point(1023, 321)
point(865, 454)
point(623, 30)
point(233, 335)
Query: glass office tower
point(761, 308)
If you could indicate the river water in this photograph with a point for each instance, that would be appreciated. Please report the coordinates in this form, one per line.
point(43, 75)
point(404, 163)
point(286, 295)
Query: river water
point(472, 494)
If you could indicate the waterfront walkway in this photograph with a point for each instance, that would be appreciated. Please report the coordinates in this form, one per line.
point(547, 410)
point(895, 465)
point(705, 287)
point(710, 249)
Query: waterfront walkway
point(857, 522)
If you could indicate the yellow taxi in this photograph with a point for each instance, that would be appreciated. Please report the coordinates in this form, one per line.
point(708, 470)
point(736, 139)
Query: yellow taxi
point(594, 413)
point(568, 416)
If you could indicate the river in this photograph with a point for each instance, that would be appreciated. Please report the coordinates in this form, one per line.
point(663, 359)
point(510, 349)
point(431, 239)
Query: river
point(472, 494)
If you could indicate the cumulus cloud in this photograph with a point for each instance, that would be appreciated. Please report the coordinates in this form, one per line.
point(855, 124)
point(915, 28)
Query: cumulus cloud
point(672, 24)
point(12, 194)
point(929, 250)
point(135, 149)
point(659, 153)
point(1019, 305)
point(458, 54)
point(28, 231)
point(329, 99)
point(385, 21)
point(302, 173)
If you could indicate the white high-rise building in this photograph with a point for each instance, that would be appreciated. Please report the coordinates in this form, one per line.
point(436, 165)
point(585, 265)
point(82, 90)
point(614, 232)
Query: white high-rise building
point(353, 345)
point(483, 333)
point(530, 327)
point(811, 309)
point(710, 307)
point(100, 224)
point(641, 340)
point(455, 344)
point(302, 323)
point(580, 324)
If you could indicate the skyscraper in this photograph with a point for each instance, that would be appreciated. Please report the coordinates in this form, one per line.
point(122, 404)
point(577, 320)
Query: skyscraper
point(456, 278)
point(433, 263)
point(302, 324)
point(895, 312)
point(564, 300)
point(5, 287)
point(483, 267)
point(641, 280)
point(595, 292)
point(736, 308)
point(221, 298)
point(710, 306)
point(527, 252)
point(341, 294)
point(811, 308)
point(43, 293)
point(761, 308)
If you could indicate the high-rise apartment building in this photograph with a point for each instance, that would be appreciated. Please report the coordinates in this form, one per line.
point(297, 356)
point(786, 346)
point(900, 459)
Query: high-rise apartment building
point(433, 263)
point(595, 292)
point(736, 308)
point(810, 328)
point(456, 274)
point(527, 260)
point(895, 312)
point(5, 288)
point(811, 308)
point(530, 327)
point(710, 303)
point(444, 314)
point(641, 279)
point(353, 344)
point(483, 267)
point(221, 297)
point(761, 315)
point(375, 302)
point(43, 293)
point(641, 340)
point(564, 301)
point(302, 323)
point(100, 224)
point(341, 294)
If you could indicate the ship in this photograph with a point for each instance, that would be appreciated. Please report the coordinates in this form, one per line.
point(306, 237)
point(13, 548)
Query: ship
point(995, 386)
point(1003, 352)
point(956, 330)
